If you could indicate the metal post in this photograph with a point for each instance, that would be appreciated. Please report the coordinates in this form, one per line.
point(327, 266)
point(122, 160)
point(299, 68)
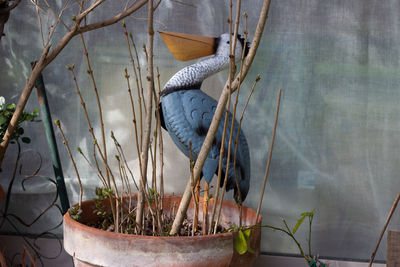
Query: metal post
point(51, 140)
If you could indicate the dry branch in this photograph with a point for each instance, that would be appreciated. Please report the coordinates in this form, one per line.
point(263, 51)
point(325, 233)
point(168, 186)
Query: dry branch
point(394, 206)
point(147, 130)
point(271, 147)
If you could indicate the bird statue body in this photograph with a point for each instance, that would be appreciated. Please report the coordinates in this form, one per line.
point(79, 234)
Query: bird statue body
point(187, 113)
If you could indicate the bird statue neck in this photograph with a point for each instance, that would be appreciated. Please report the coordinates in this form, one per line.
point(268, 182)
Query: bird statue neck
point(191, 77)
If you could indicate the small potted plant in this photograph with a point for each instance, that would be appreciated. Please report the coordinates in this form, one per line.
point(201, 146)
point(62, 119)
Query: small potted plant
point(152, 229)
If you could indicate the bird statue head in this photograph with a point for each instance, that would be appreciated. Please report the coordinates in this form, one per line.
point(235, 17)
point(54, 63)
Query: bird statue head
point(222, 46)
point(186, 47)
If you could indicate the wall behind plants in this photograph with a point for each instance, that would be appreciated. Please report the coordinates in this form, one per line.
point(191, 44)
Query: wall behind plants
point(337, 144)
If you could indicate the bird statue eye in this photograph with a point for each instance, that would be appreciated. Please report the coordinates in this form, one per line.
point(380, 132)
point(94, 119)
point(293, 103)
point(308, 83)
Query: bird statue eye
point(227, 42)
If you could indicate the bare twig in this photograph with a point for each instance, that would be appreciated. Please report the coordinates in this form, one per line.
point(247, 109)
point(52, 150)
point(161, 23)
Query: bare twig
point(147, 130)
point(134, 122)
point(37, 8)
point(236, 149)
point(394, 206)
point(160, 143)
point(58, 16)
point(183, 3)
point(97, 169)
point(240, 199)
point(65, 142)
point(122, 155)
point(90, 72)
point(271, 147)
point(195, 191)
point(31, 259)
point(157, 5)
point(232, 70)
point(3, 262)
point(91, 8)
point(78, 91)
point(139, 87)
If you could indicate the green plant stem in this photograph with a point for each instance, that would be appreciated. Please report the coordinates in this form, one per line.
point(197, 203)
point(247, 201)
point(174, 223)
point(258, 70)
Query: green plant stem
point(297, 242)
point(310, 218)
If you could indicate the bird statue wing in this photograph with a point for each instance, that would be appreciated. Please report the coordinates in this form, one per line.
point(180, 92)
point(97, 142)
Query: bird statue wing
point(187, 117)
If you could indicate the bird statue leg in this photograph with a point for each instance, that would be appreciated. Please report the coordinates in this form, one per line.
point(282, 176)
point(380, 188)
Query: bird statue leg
point(205, 208)
point(196, 210)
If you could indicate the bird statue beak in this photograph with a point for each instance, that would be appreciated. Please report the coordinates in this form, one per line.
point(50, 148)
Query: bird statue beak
point(188, 46)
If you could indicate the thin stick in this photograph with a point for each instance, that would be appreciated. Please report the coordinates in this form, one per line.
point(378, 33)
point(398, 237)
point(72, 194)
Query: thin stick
point(160, 142)
point(269, 155)
point(157, 133)
point(205, 207)
point(137, 81)
point(222, 148)
point(147, 130)
point(236, 149)
point(34, 2)
point(394, 206)
point(195, 192)
point(29, 256)
point(54, 26)
point(95, 143)
point(65, 142)
point(90, 72)
point(134, 122)
point(140, 94)
point(98, 169)
point(122, 155)
point(232, 68)
point(3, 262)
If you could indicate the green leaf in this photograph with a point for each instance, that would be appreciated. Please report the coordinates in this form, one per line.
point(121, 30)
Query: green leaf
point(11, 107)
point(26, 140)
point(299, 222)
point(247, 235)
point(241, 243)
point(308, 214)
point(2, 119)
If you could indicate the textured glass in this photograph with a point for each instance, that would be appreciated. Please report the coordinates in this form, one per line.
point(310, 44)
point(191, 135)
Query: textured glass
point(337, 141)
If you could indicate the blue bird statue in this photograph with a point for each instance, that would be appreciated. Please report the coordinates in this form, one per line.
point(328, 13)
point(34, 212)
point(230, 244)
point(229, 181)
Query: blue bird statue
point(186, 111)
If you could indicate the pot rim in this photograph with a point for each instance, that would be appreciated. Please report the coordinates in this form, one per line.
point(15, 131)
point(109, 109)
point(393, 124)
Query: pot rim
point(75, 224)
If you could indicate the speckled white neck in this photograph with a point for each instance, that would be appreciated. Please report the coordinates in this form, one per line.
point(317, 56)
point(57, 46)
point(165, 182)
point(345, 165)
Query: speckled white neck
point(193, 75)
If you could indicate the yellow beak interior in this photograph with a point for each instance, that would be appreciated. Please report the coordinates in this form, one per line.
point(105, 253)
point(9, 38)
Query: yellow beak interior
point(188, 46)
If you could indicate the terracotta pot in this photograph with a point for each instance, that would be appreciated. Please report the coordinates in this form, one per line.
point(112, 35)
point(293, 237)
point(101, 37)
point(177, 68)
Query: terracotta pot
point(94, 247)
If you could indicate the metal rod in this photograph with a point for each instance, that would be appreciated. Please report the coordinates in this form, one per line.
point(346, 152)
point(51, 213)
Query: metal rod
point(51, 140)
